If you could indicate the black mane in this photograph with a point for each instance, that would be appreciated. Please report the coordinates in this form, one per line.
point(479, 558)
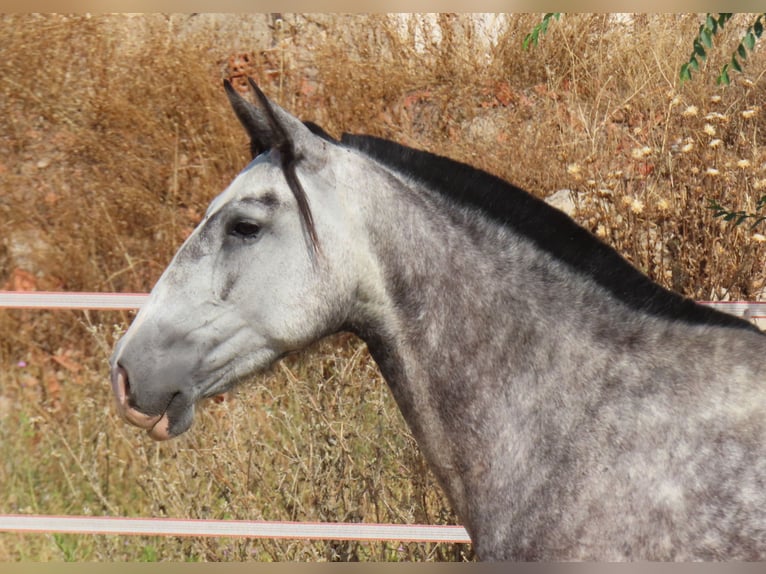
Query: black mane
point(550, 229)
point(317, 130)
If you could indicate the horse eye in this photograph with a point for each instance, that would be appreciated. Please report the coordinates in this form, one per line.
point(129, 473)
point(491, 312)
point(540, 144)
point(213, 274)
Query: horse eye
point(245, 229)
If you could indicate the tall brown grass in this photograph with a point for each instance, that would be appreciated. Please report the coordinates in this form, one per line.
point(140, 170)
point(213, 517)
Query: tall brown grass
point(116, 134)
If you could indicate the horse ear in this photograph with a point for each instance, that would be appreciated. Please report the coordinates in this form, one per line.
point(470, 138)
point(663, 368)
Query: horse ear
point(251, 119)
point(267, 124)
point(272, 128)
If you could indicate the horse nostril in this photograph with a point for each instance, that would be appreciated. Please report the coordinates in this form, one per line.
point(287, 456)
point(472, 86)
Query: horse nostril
point(120, 385)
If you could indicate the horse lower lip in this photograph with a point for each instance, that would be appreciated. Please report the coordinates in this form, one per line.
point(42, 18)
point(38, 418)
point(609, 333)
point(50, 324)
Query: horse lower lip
point(141, 420)
point(160, 431)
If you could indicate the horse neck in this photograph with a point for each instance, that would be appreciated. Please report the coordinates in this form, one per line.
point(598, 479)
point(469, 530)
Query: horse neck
point(453, 326)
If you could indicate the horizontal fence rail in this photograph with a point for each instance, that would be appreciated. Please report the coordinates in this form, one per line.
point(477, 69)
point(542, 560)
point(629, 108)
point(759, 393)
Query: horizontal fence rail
point(117, 301)
point(232, 528)
point(20, 523)
point(746, 309)
point(61, 300)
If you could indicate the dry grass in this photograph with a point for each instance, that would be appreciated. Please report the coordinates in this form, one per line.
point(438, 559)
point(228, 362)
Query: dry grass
point(115, 136)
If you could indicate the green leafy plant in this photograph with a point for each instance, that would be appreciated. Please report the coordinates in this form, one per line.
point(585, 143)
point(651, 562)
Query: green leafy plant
point(739, 217)
point(541, 28)
point(704, 42)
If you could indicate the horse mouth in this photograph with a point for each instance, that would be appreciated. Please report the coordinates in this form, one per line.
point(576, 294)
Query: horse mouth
point(157, 426)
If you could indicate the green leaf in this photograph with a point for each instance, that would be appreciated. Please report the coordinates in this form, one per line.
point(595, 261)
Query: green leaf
point(706, 37)
point(749, 41)
point(723, 18)
point(742, 52)
point(735, 64)
point(699, 50)
point(723, 77)
point(685, 73)
point(758, 27)
point(530, 38)
point(694, 64)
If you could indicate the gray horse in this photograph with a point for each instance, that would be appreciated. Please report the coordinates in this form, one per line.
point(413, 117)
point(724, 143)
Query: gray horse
point(570, 407)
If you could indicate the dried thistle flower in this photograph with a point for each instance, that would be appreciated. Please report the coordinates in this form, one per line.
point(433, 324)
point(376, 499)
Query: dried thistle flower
point(712, 172)
point(747, 114)
point(641, 152)
point(574, 169)
point(716, 117)
point(709, 129)
point(690, 111)
point(743, 164)
point(715, 143)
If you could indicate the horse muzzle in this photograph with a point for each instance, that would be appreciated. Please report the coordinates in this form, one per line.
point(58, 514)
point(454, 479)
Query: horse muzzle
point(157, 426)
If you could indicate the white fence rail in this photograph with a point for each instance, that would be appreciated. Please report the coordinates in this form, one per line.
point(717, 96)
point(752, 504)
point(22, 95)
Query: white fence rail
point(59, 300)
point(105, 301)
point(231, 528)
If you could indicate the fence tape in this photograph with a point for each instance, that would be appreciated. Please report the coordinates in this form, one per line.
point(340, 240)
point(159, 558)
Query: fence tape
point(747, 309)
point(60, 300)
point(106, 301)
point(232, 528)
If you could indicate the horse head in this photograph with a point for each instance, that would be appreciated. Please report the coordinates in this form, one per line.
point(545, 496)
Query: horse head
point(261, 276)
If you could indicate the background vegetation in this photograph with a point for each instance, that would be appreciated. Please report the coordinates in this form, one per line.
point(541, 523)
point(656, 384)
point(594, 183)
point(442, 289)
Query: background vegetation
point(116, 134)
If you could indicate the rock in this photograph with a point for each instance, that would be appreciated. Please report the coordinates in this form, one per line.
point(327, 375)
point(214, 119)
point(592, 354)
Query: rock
point(563, 199)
